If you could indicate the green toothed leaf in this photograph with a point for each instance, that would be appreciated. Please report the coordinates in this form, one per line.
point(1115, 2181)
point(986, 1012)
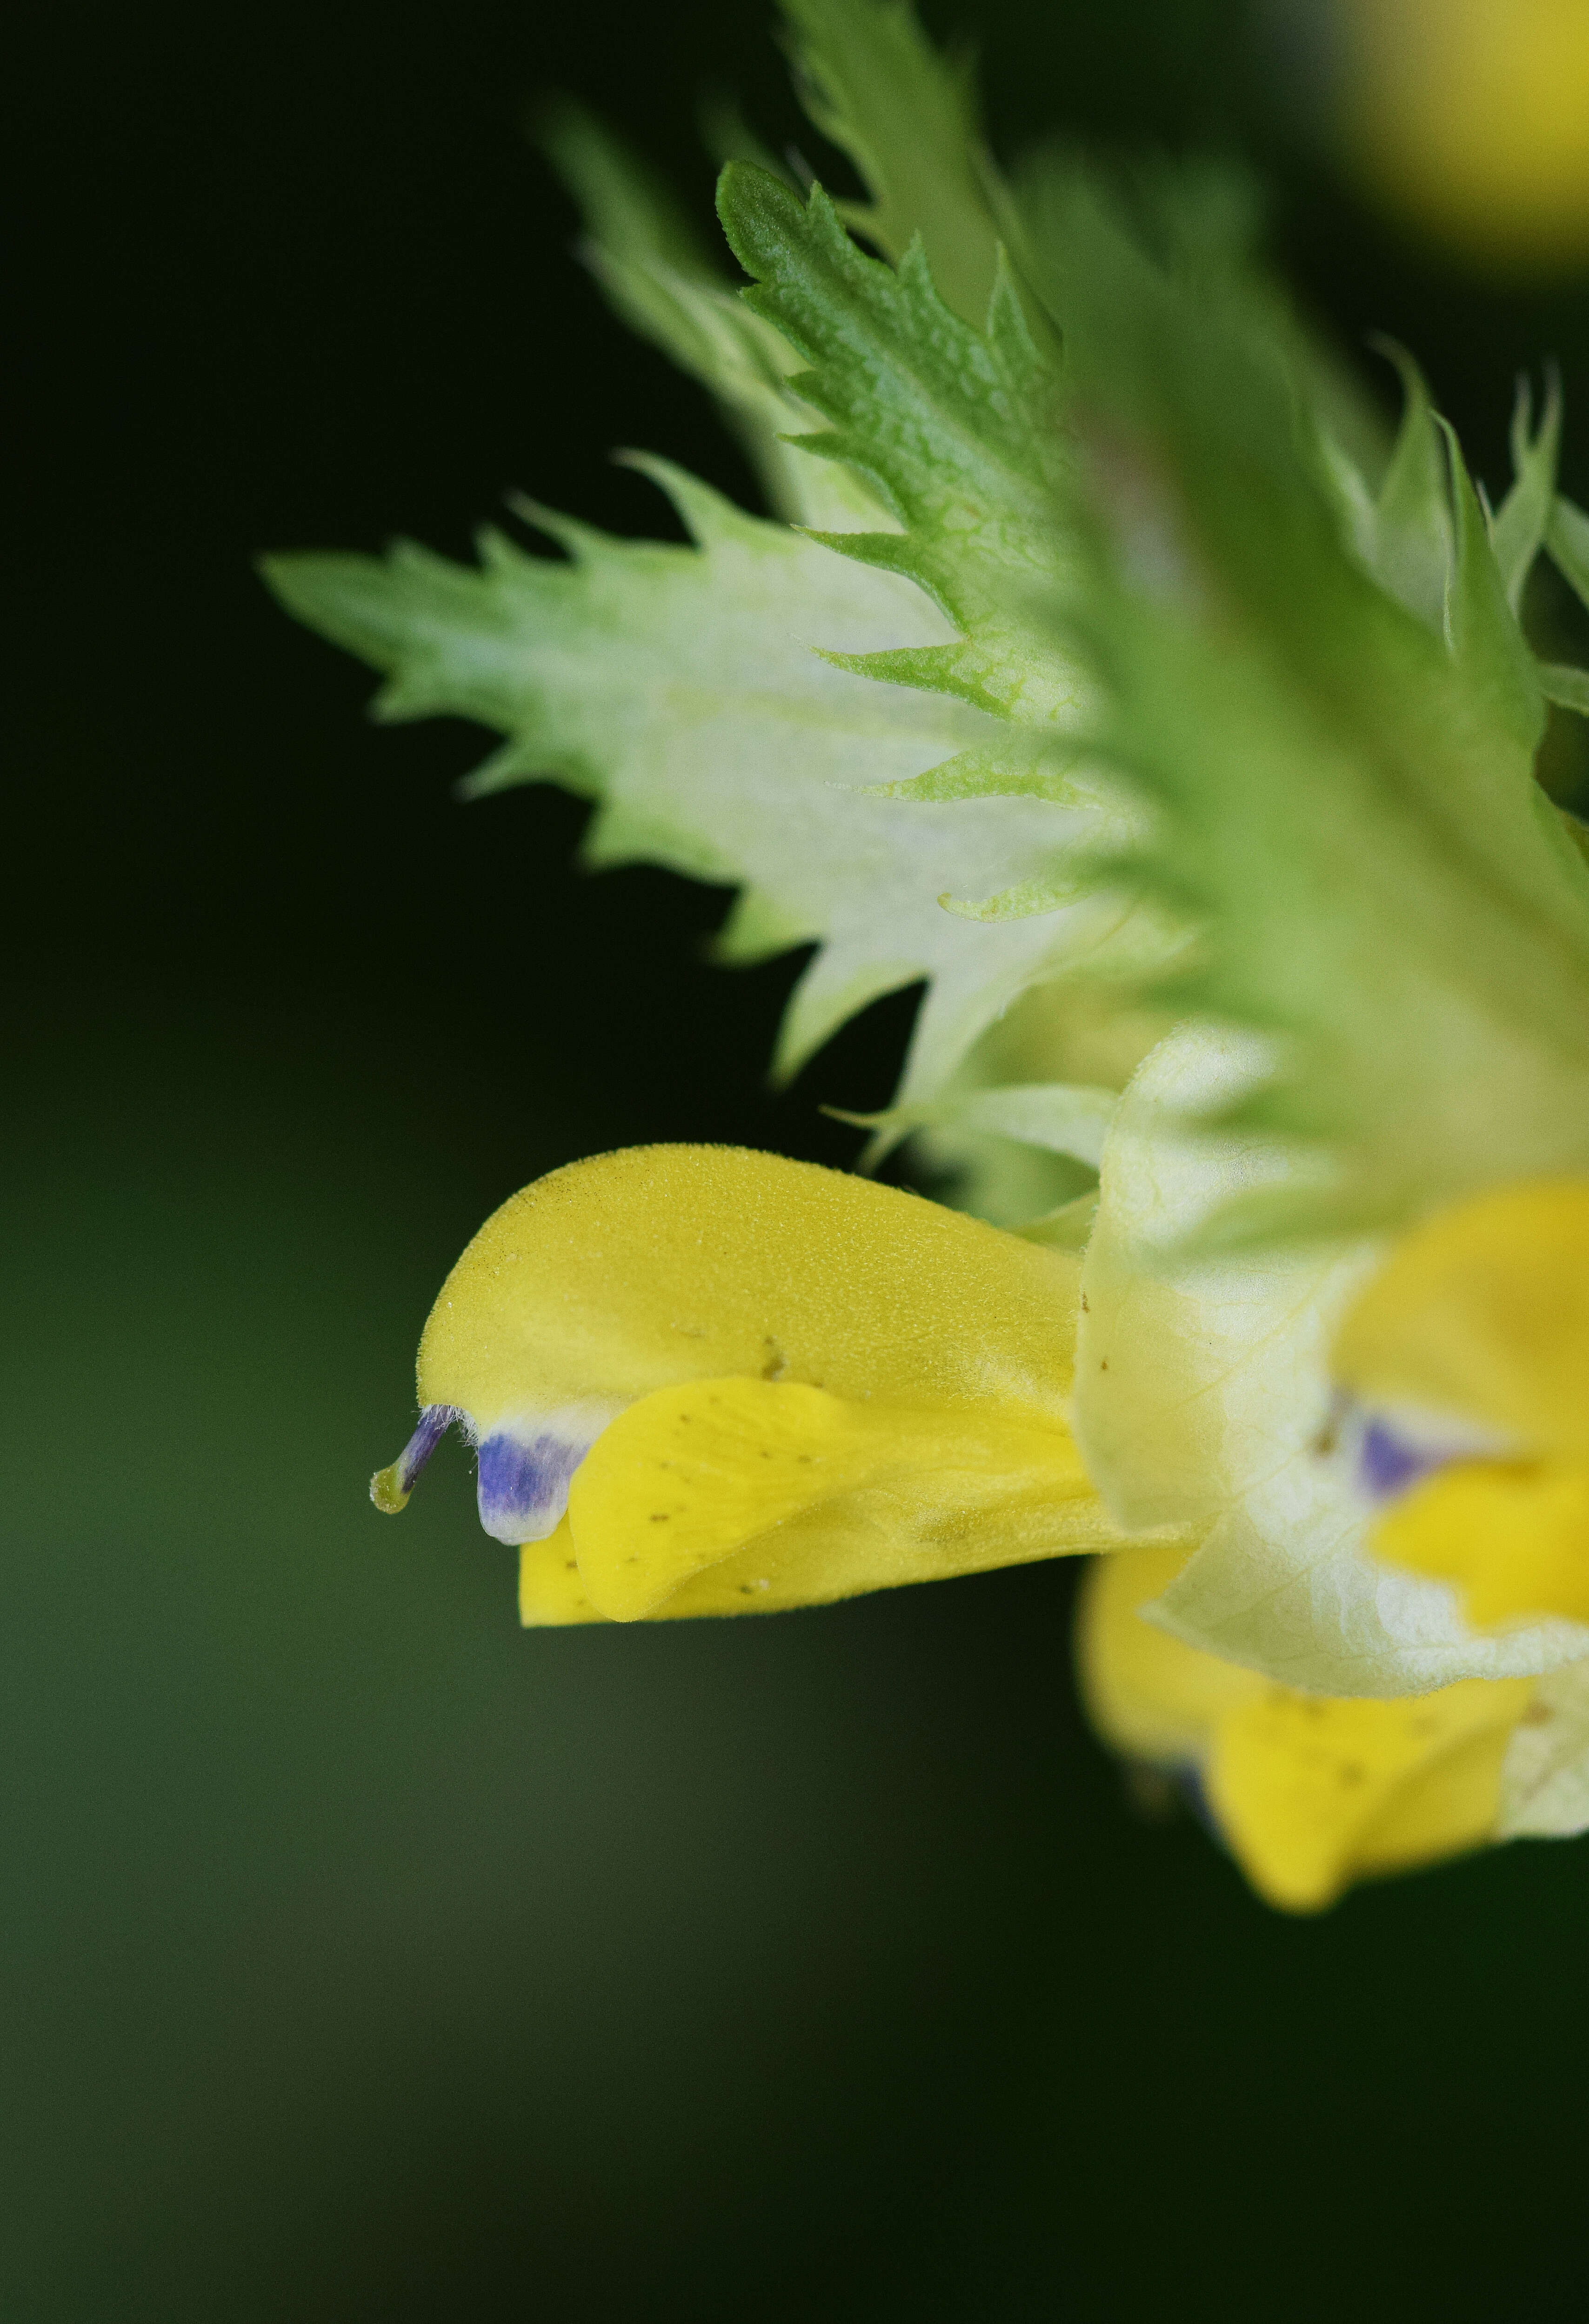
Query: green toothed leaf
point(721, 702)
point(680, 688)
point(1523, 518)
point(873, 84)
point(1405, 535)
point(1566, 542)
point(662, 280)
point(1168, 708)
point(956, 428)
point(1500, 681)
point(1346, 802)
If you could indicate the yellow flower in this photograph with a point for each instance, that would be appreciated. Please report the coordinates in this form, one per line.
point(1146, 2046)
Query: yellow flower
point(1471, 1352)
point(1472, 117)
point(706, 1381)
point(1310, 1791)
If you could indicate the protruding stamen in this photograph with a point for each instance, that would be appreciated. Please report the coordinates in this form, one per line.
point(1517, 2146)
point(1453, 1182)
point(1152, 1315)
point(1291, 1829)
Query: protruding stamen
point(390, 1487)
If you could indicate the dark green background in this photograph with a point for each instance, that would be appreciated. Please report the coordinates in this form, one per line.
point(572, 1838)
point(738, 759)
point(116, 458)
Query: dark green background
point(365, 1958)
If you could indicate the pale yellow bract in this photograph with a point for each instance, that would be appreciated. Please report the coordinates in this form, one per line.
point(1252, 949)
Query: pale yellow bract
point(816, 1385)
point(1482, 1314)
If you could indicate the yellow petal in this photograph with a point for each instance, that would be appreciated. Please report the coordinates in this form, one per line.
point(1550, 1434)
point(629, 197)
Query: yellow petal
point(736, 1496)
point(638, 1270)
point(1310, 1791)
point(1313, 1791)
point(1484, 1312)
point(551, 1589)
point(1148, 1694)
point(1514, 1534)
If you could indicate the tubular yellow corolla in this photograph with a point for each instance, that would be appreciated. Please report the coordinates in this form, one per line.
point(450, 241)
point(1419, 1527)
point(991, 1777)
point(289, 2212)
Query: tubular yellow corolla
point(706, 1381)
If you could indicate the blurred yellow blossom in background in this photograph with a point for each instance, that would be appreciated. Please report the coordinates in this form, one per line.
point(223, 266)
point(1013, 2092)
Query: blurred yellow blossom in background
point(1471, 119)
point(1310, 1792)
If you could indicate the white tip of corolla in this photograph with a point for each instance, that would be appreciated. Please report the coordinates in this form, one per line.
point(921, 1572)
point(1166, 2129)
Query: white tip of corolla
point(526, 1467)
